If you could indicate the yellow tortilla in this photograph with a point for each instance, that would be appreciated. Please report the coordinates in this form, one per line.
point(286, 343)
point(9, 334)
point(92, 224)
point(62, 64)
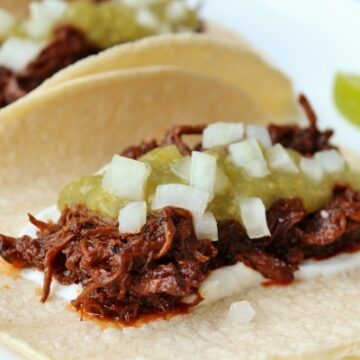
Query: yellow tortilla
point(229, 61)
point(75, 128)
point(18, 8)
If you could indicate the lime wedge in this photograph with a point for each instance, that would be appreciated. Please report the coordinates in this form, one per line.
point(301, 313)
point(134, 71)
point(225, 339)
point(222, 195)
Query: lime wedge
point(347, 96)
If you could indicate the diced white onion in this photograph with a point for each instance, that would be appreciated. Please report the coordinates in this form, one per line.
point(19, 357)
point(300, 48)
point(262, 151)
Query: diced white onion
point(43, 16)
point(312, 169)
point(139, 3)
point(182, 168)
point(222, 181)
point(240, 312)
point(7, 21)
point(210, 291)
point(247, 154)
point(222, 133)
point(221, 283)
point(280, 160)
point(102, 170)
point(253, 216)
point(176, 11)
point(16, 53)
point(147, 18)
point(126, 178)
point(259, 133)
point(330, 160)
point(203, 171)
point(132, 217)
point(181, 196)
point(206, 227)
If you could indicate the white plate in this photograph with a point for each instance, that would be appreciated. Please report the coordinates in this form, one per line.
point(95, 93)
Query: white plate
point(309, 40)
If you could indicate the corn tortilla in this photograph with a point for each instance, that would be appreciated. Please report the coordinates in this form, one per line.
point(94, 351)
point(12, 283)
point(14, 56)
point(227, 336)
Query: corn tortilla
point(231, 61)
point(74, 129)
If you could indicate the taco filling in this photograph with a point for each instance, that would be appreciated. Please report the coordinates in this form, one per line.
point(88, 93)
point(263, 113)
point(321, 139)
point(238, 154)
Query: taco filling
point(58, 33)
point(166, 226)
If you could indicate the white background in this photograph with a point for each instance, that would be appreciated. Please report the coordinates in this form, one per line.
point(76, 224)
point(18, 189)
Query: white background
point(308, 39)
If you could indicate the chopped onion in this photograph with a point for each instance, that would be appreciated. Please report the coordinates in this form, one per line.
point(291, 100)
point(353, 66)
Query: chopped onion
point(240, 312)
point(221, 133)
point(247, 154)
point(7, 21)
point(312, 169)
point(43, 16)
point(181, 196)
point(203, 171)
point(222, 181)
point(209, 290)
point(279, 159)
point(132, 217)
point(182, 168)
point(146, 18)
point(126, 178)
point(253, 215)
point(206, 227)
point(176, 11)
point(221, 283)
point(16, 53)
point(259, 133)
point(330, 160)
point(139, 3)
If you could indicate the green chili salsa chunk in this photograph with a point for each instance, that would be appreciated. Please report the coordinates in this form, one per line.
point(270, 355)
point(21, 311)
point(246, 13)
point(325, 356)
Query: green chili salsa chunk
point(89, 192)
point(108, 23)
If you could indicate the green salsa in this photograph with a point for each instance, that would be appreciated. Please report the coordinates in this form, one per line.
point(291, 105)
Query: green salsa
point(109, 23)
point(89, 192)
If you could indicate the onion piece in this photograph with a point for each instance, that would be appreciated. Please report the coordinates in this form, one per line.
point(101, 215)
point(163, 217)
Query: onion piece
point(126, 178)
point(176, 11)
point(222, 133)
point(132, 217)
point(203, 171)
point(222, 182)
point(182, 168)
point(43, 16)
point(206, 227)
point(7, 21)
point(145, 17)
point(247, 154)
point(280, 160)
point(240, 312)
point(259, 133)
point(330, 160)
point(181, 196)
point(16, 53)
point(312, 169)
point(220, 283)
point(253, 216)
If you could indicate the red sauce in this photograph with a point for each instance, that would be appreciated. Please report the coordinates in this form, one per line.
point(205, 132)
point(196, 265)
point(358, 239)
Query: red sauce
point(271, 282)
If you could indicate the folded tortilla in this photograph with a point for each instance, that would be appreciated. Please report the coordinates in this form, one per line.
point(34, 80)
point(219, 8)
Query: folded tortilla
point(17, 7)
point(230, 61)
point(72, 130)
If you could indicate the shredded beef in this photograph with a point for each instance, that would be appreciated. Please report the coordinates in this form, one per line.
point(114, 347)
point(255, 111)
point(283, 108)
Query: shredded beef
point(127, 276)
point(306, 140)
point(68, 46)
point(122, 276)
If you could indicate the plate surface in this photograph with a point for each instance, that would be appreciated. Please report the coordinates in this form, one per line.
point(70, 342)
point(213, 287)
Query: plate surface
point(308, 40)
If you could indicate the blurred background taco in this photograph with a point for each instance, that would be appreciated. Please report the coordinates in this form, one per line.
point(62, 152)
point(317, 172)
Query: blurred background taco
point(38, 38)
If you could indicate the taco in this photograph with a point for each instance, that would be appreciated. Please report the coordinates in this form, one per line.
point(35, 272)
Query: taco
point(246, 207)
point(57, 33)
point(219, 57)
